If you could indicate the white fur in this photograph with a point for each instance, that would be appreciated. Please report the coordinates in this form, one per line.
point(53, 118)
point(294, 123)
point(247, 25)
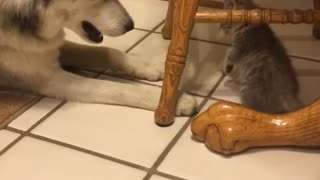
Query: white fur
point(33, 64)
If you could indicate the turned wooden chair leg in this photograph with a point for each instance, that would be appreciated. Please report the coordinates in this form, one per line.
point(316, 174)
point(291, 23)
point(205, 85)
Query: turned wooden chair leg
point(168, 24)
point(176, 59)
point(316, 26)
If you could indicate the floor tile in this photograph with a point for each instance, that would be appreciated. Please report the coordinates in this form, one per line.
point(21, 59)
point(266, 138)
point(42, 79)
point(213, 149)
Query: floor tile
point(147, 14)
point(34, 114)
point(122, 43)
point(10, 103)
point(192, 160)
point(309, 89)
point(122, 132)
point(207, 32)
point(38, 160)
point(201, 72)
point(209, 103)
point(6, 137)
point(308, 76)
point(130, 134)
point(298, 40)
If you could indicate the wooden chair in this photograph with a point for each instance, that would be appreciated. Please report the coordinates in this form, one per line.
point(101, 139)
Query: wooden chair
point(179, 28)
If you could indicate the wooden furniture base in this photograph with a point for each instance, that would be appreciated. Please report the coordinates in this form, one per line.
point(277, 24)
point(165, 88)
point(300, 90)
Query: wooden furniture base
point(229, 128)
point(181, 16)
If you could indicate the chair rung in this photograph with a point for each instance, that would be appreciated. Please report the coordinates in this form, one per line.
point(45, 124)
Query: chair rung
point(257, 16)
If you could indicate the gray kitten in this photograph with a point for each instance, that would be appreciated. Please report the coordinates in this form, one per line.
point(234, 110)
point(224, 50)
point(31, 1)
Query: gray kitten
point(259, 66)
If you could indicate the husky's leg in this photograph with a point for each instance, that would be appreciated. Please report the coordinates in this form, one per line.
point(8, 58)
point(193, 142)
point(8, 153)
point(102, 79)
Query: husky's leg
point(102, 58)
point(120, 92)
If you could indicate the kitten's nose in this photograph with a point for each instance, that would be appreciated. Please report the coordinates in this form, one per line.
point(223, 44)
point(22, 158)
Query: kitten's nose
point(129, 26)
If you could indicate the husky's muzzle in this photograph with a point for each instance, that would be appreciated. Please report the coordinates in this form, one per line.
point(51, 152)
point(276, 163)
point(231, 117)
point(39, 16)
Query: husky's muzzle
point(93, 33)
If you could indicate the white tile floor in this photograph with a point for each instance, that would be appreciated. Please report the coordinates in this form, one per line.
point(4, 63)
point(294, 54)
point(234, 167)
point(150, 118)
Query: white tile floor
point(88, 141)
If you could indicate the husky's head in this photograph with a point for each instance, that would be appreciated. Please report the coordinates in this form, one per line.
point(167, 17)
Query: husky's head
point(46, 18)
point(92, 18)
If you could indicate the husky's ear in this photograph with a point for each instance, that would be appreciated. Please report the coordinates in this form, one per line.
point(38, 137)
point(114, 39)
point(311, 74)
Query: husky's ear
point(26, 23)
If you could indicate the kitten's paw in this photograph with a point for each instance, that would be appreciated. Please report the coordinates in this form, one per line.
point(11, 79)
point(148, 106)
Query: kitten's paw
point(150, 70)
point(187, 105)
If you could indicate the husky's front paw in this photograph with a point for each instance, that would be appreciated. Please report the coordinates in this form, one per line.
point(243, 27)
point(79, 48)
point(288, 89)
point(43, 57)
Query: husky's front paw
point(151, 71)
point(187, 105)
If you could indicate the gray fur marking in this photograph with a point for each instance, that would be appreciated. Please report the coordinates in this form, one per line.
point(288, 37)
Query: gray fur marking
point(26, 19)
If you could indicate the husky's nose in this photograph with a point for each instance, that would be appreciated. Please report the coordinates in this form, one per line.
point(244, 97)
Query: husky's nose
point(129, 26)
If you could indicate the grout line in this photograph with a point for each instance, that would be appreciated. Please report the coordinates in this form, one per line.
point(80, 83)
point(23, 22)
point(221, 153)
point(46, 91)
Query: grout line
point(73, 147)
point(229, 45)
point(18, 131)
point(146, 30)
point(169, 176)
point(203, 40)
point(163, 155)
point(145, 37)
point(150, 84)
point(104, 72)
point(45, 117)
point(25, 133)
point(28, 132)
point(7, 148)
point(20, 111)
point(218, 99)
point(64, 102)
point(87, 151)
point(97, 73)
point(30, 104)
point(305, 58)
point(155, 85)
point(151, 171)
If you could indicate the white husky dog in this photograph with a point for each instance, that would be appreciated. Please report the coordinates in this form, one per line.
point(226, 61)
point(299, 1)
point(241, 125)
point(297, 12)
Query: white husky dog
point(33, 50)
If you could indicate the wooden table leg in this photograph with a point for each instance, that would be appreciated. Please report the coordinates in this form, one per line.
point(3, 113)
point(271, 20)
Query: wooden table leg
point(168, 24)
point(316, 26)
point(176, 59)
